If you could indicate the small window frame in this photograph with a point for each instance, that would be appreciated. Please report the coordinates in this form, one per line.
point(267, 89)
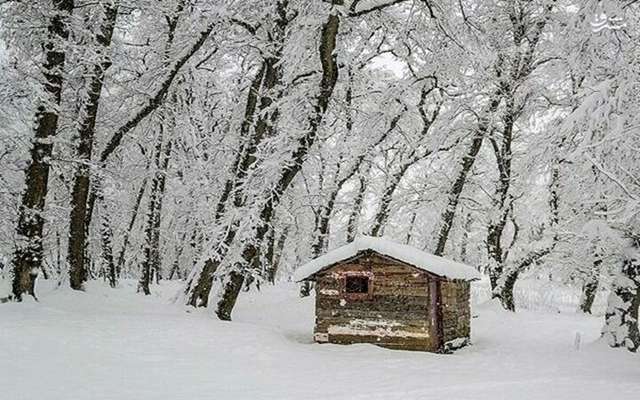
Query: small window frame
point(357, 296)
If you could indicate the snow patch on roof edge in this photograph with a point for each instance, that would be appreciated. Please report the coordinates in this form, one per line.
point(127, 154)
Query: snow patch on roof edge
point(407, 254)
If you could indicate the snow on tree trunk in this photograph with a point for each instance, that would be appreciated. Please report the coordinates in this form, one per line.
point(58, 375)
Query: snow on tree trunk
point(152, 262)
point(354, 215)
point(154, 103)
point(466, 163)
point(108, 263)
point(28, 257)
point(621, 318)
point(590, 286)
point(251, 251)
point(260, 118)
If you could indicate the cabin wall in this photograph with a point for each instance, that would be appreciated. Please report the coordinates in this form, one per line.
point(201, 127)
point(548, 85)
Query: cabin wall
point(397, 313)
point(456, 312)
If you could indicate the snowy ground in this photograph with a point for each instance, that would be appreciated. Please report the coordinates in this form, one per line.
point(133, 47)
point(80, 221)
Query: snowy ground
point(117, 345)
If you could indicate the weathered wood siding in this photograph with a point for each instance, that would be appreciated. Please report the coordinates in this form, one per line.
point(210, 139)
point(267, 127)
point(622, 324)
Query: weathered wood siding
point(456, 310)
point(397, 313)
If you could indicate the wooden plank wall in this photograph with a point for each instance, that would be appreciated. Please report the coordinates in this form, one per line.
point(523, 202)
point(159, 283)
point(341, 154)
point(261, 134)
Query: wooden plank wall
point(456, 311)
point(396, 314)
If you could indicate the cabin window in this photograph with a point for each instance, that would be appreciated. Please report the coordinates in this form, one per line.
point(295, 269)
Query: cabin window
point(357, 284)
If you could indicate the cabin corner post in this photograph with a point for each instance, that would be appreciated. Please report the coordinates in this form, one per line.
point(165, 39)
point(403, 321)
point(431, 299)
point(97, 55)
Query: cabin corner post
point(439, 324)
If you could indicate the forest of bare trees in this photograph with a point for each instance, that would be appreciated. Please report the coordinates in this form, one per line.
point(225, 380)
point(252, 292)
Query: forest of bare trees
point(226, 142)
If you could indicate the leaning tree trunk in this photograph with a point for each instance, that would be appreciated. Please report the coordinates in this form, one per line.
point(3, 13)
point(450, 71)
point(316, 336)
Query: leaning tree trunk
point(258, 125)
point(507, 282)
point(78, 230)
point(200, 284)
point(232, 283)
point(446, 219)
point(154, 102)
point(590, 286)
point(506, 290)
point(381, 217)
point(508, 277)
point(384, 209)
point(521, 67)
point(132, 221)
point(354, 216)
point(321, 233)
point(28, 257)
point(621, 318)
point(275, 255)
point(151, 263)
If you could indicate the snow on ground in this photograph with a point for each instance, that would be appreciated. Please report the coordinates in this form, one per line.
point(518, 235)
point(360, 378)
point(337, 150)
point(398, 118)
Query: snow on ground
point(116, 345)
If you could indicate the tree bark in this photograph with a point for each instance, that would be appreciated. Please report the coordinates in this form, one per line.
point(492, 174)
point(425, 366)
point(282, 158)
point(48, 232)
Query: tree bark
point(590, 286)
point(153, 104)
point(446, 219)
point(501, 200)
point(507, 282)
point(464, 248)
point(78, 230)
point(28, 257)
point(621, 318)
point(108, 263)
point(276, 255)
point(354, 216)
point(151, 263)
point(384, 209)
point(506, 292)
point(251, 250)
point(257, 126)
point(132, 221)
point(522, 65)
point(383, 213)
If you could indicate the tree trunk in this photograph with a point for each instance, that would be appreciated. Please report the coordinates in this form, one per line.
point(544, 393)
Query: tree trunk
point(151, 264)
point(506, 292)
point(446, 219)
point(321, 234)
point(28, 257)
point(589, 291)
point(464, 247)
point(109, 265)
point(251, 250)
point(178, 250)
point(590, 287)
point(384, 209)
point(412, 224)
point(132, 221)
point(501, 199)
point(621, 318)
point(507, 282)
point(354, 216)
point(153, 104)
point(277, 255)
point(232, 284)
point(322, 227)
point(78, 230)
point(263, 92)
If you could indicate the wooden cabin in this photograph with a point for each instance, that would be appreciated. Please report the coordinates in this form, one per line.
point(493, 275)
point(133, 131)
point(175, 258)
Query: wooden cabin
point(377, 291)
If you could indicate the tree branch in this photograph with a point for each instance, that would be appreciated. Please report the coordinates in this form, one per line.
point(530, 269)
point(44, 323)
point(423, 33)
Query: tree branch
point(157, 100)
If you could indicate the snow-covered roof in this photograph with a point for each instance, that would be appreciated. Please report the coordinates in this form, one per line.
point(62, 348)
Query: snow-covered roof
point(409, 255)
